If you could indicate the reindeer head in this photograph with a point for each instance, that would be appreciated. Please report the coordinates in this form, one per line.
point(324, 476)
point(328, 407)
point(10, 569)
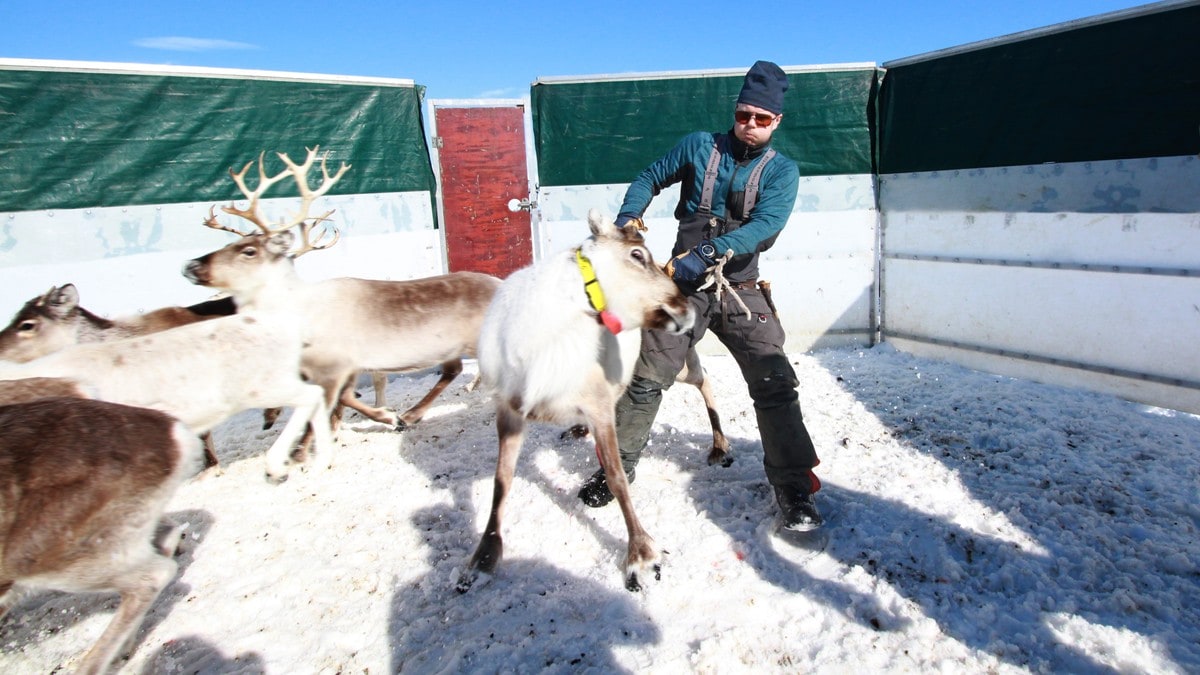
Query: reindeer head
point(246, 265)
point(636, 289)
point(43, 325)
point(252, 262)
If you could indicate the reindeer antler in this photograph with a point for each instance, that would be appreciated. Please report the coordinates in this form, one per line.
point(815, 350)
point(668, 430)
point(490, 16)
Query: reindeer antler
point(301, 218)
point(320, 243)
point(307, 196)
point(716, 276)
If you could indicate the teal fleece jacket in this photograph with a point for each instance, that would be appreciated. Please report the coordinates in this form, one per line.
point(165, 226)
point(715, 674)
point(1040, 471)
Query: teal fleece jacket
point(686, 162)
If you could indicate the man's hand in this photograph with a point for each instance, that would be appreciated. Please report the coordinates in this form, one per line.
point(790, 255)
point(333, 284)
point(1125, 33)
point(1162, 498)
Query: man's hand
point(688, 268)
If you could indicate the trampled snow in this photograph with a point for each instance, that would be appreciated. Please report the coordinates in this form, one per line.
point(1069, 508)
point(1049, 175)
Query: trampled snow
point(975, 524)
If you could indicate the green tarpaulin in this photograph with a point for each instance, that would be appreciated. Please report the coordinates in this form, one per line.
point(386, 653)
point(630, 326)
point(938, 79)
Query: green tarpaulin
point(606, 130)
point(81, 139)
point(1115, 90)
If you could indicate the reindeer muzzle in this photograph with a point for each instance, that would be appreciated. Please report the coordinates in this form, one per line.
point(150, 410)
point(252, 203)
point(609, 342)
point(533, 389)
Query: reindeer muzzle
point(674, 320)
point(196, 271)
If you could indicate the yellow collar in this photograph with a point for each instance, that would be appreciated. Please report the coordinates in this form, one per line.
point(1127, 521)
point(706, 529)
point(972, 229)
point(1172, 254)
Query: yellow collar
point(591, 286)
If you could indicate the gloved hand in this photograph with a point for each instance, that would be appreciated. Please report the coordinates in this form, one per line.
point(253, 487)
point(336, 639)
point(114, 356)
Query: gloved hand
point(688, 268)
point(622, 220)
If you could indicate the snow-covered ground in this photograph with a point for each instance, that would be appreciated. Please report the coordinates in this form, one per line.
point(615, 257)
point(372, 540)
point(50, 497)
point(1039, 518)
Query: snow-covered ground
point(976, 524)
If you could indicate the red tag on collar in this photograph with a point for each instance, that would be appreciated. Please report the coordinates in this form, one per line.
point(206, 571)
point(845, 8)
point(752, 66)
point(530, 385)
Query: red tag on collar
point(610, 321)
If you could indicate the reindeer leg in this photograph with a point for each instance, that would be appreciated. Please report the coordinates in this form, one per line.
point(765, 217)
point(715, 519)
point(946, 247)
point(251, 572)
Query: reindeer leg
point(693, 374)
point(382, 415)
point(139, 587)
point(210, 453)
point(510, 427)
point(450, 370)
point(309, 410)
point(379, 380)
point(643, 554)
point(349, 399)
point(719, 454)
point(300, 453)
point(6, 597)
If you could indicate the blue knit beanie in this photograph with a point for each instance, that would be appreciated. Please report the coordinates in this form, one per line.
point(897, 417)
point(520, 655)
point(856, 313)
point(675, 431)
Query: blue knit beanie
point(764, 87)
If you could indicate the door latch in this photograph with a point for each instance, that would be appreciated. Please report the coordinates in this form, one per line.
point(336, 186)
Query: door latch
point(515, 205)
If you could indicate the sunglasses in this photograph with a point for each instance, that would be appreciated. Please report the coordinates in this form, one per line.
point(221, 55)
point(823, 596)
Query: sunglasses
point(761, 119)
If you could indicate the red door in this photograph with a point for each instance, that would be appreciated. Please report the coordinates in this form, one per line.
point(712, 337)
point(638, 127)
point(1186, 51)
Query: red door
point(482, 164)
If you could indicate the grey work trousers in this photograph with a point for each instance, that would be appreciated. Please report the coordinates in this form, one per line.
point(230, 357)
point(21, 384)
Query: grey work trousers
point(757, 346)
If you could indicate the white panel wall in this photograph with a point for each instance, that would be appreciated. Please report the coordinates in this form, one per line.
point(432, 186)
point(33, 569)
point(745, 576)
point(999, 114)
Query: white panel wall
point(1081, 274)
point(129, 259)
point(821, 269)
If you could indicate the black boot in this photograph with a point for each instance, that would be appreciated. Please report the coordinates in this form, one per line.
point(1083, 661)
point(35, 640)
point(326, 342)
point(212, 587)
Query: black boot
point(797, 508)
point(595, 492)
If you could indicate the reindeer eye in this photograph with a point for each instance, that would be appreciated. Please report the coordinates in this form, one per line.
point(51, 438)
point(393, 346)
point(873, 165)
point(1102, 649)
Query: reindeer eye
point(27, 326)
point(249, 252)
point(638, 255)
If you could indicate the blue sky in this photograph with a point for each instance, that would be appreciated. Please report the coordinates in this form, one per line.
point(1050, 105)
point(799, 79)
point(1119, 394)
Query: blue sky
point(497, 49)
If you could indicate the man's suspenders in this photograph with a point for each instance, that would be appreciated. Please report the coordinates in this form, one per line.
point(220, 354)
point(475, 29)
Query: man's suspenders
point(710, 182)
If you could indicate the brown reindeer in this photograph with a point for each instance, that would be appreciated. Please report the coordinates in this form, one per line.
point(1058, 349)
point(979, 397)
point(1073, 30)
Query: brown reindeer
point(55, 319)
point(31, 389)
point(552, 351)
point(83, 487)
point(350, 325)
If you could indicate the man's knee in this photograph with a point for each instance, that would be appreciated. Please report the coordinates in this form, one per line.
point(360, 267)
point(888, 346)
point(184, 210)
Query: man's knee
point(643, 391)
point(772, 381)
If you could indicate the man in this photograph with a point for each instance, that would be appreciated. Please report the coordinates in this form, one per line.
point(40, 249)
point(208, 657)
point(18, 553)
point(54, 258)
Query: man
point(741, 207)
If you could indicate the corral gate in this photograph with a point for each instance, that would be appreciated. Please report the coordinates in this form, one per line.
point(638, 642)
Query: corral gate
point(480, 151)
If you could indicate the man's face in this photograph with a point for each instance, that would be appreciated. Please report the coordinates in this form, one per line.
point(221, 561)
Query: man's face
point(753, 125)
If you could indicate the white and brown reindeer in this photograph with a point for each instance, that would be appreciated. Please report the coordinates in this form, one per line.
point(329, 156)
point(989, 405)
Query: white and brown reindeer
point(693, 373)
point(55, 319)
point(550, 351)
point(83, 488)
point(350, 325)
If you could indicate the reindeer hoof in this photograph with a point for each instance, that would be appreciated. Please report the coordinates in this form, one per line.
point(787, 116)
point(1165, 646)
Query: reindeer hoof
point(401, 425)
point(575, 432)
point(721, 457)
point(634, 586)
point(167, 536)
point(466, 581)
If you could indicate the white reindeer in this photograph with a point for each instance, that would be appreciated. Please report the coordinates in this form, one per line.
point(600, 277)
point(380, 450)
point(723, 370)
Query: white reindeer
point(350, 325)
point(558, 345)
point(693, 373)
point(55, 320)
point(202, 373)
point(83, 487)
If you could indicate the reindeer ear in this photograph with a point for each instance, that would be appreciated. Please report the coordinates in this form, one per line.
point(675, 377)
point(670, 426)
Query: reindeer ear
point(63, 300)
point(595, 220)
point(601, 225)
